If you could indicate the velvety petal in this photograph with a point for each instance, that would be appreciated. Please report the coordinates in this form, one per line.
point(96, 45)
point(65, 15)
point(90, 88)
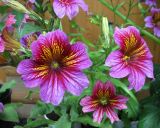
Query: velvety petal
point(59, 9)
point(82, 4)
point(136, 79)
point(74, 80)
point(32, 73)
point(72, 11)
point(2, 47)
point(52, 90)
point(119, 102)
point(1, 107)
point(114, 58)
point(49, 44)
point(88, 104)
point(77, 58)
point(111, 114)
point(157, 31)
point(149, 23)
point(110, 87)
point(98, 115)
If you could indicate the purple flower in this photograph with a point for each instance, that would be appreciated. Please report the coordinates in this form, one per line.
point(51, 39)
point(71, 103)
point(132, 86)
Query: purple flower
point(26, 40)
point(32, 1)
point(133, 59)
point(154, 21)
point(56, 66)
point(68, 7)
point(2, 47)
point(1, 107)
point(104, 100)
point(151, 2)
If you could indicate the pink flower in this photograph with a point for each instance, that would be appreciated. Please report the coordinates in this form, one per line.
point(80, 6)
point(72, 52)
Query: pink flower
point(10, 20)
point(2, 47)
point(133, 59)
point(68, 7)
point(56, 66)
point(104, 100)
point(153, 21)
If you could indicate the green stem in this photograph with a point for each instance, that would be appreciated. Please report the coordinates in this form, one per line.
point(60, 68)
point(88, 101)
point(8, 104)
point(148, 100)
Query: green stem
point(144, 32)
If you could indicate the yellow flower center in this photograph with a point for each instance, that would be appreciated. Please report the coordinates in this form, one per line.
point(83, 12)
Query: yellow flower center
point(55, 65)
point(103, 101)
point(126, 58)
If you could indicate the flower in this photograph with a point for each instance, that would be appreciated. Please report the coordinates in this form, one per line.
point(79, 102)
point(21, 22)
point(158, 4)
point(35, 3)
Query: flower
point(1, 44)
point(151, 2)
point(27, 39)
point(1, 107)
point(56, 67)
point(154, 21)
point(68, 7)
point(103, 100)
point(10, 20)
point(133, 59)
point(32, 1)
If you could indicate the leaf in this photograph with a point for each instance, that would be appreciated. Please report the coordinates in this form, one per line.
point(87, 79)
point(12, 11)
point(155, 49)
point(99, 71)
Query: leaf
point(63, 122)
point(41, 109)
point(9, 113)
point(38, 122)
point(7, 86)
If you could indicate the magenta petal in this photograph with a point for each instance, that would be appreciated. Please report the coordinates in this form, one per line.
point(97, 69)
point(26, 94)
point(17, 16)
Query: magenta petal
point(111, 114)
point(82, 4)
point(31, 75)
point(59, 9)
point(2, 47)
point(136, 79)
point(119, 102)
point(75, 81)
point(72, 11)
point(78, 57)
point(98, 115)
point(52, 90)
point(110, 88)
point(87, 103)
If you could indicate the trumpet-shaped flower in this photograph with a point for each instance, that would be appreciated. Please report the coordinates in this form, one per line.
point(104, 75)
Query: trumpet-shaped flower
point(10, 20)
point(154, 21)
point(68, 7)
point(103, 101)
point(151, 2)
point(56, 66)
point(133, 59)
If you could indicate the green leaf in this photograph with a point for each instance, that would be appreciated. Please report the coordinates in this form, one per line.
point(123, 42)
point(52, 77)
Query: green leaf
point(41, 109)
point(7, 86)
point(63, 122)
point(38, 122)
point(9, 113)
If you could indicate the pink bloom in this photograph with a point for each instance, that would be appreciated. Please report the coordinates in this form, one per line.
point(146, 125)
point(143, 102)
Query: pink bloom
point(151, 2)
point(1, 45)
point(10, 20)
point(154, 21)
point(68, 7)
point(104, 100)
point(56, 66)
point(133, 59)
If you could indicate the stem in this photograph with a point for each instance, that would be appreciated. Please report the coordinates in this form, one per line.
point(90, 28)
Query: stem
point(144, 32)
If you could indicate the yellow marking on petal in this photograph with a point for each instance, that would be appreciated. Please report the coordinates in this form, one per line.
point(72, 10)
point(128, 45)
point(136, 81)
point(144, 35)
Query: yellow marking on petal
point(130, 42)
point(57, 49)
point(46, 55)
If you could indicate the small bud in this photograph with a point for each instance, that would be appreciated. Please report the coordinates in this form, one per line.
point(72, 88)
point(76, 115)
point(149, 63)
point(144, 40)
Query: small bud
point(105, 30)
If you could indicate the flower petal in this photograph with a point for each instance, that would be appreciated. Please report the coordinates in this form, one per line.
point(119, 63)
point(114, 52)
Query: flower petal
point(98, 115)
point(82, 4)
point(77, 58)
point(136, 79)
point(119, 102)
point(149, 23)
point(2, 47)
point(111, 114)
point(59, 9)
point(32, 73)
point(72, 11)
point(157, 31)
point(88, 104)
point(74, 80)
point(52, 90)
